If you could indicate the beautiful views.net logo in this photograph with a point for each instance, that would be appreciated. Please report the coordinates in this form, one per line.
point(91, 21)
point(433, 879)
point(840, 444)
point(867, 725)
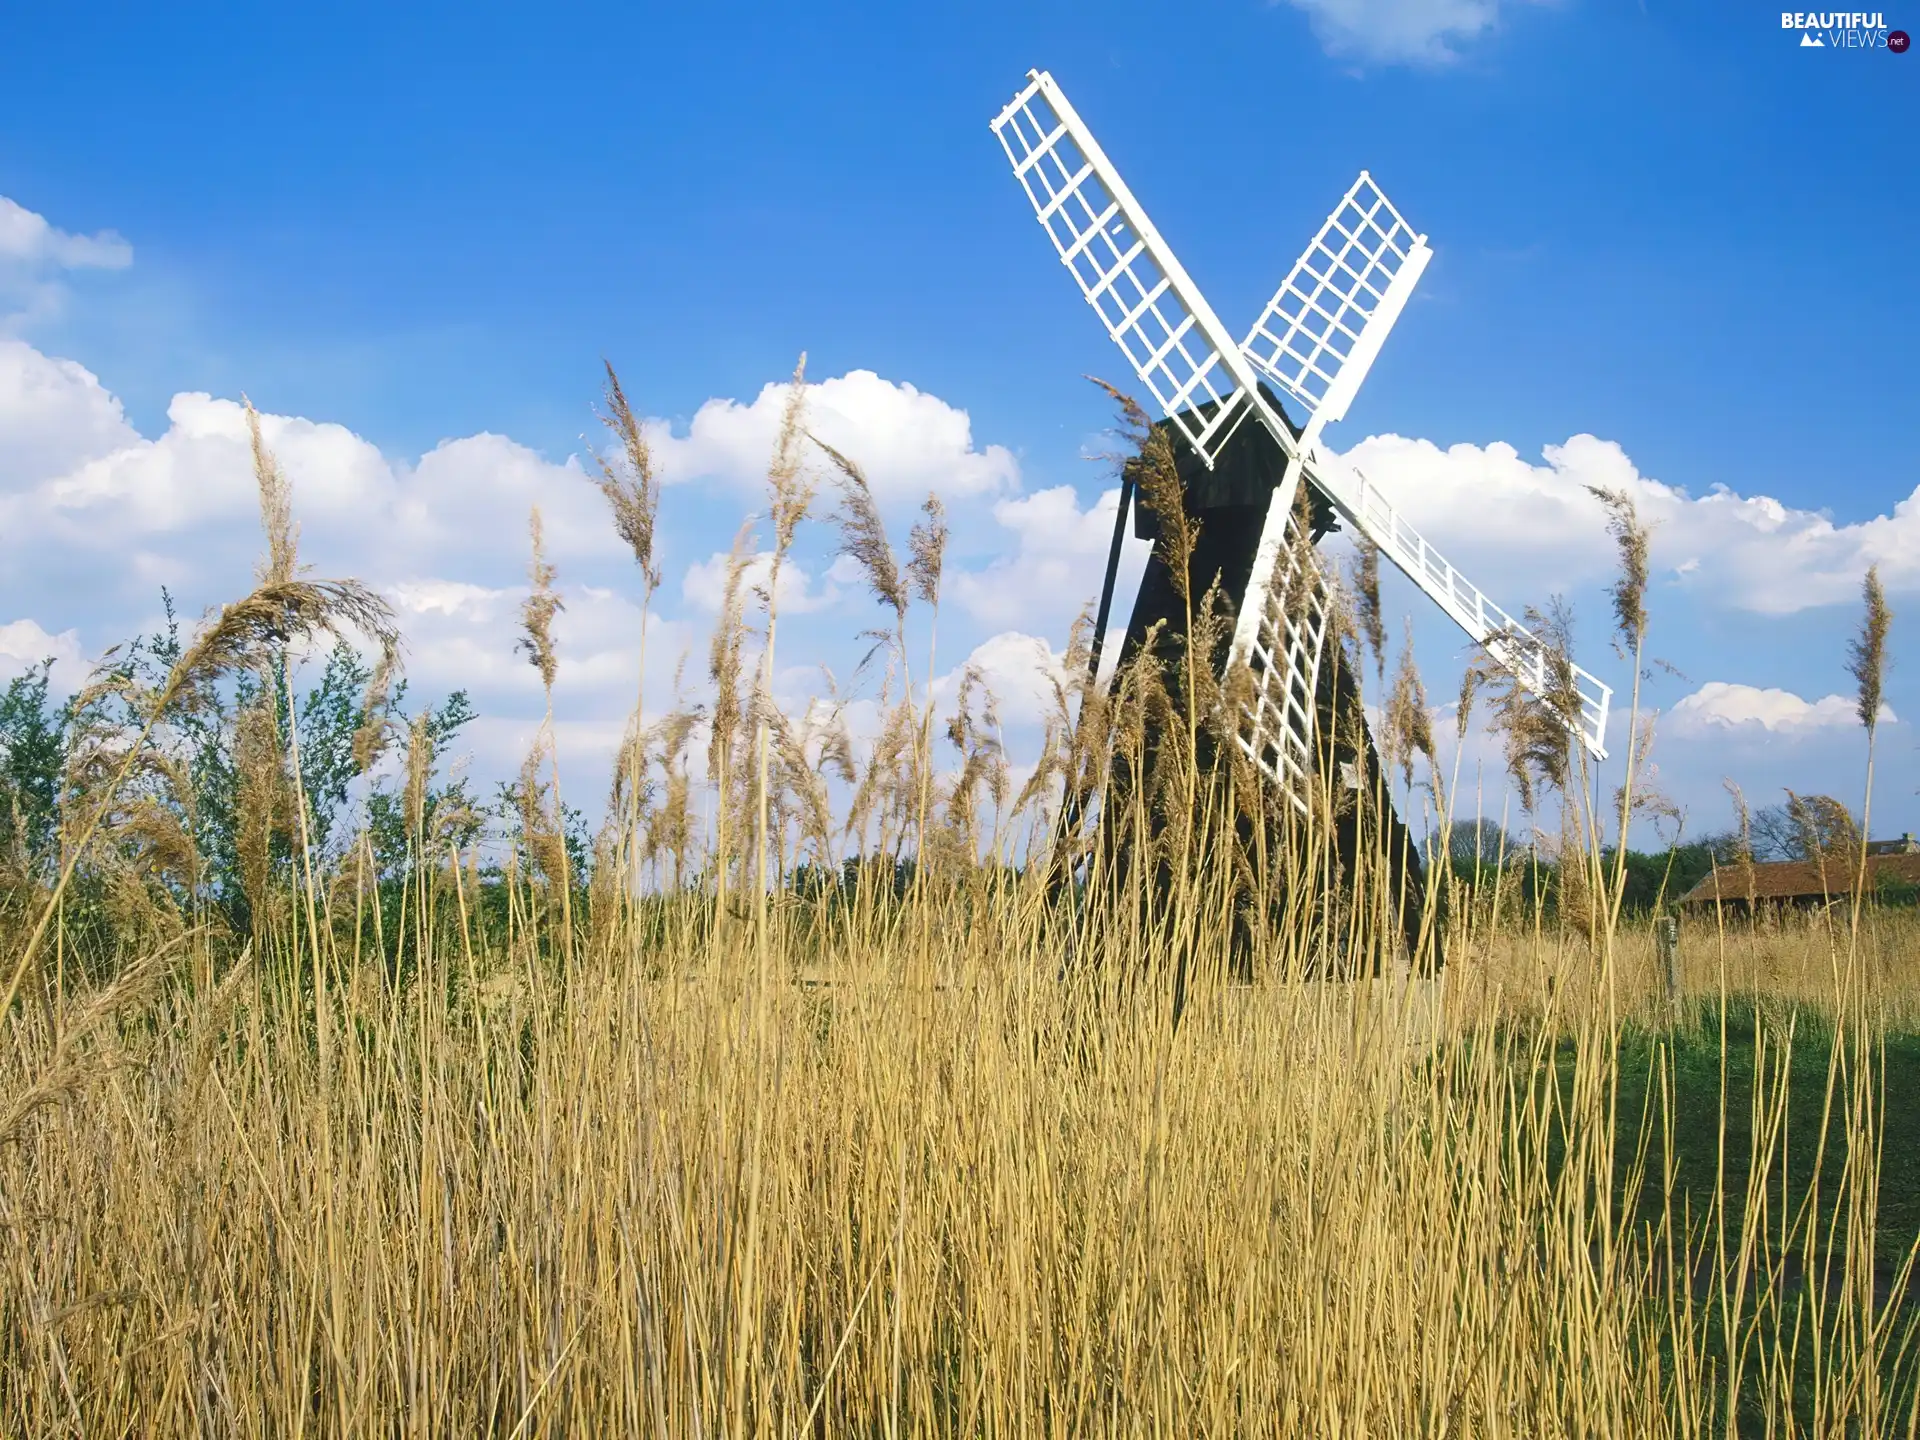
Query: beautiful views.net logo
point(1844, 30)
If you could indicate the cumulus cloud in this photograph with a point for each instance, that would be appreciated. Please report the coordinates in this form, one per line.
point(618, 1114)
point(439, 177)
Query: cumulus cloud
point(705, 586)
point(906, 441)
point(1055, 566)
point(94, 517)
point(1428, 32)
point(1020, 671)
point(54, 416)
point(24, 644)
point(121, 511)
point(34, 255)
point(464, 635)
point(27, 239)
point(1721, 707)
point(1507, 522)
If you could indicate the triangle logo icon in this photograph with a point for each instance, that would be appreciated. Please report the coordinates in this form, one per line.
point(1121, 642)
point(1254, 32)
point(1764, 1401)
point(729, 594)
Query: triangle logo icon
point(1809, 42)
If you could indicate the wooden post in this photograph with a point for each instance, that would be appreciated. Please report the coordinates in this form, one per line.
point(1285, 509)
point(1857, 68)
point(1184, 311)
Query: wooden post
point(1666, 941)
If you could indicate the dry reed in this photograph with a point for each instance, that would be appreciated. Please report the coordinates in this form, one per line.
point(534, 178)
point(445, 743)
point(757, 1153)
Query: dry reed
point(929, 1159)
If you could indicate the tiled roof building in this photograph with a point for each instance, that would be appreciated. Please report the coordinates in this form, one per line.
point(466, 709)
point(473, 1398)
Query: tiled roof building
point(1803, 881)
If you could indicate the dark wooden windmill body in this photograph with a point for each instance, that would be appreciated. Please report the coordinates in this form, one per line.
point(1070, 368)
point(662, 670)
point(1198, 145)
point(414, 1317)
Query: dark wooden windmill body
point(1225, 508)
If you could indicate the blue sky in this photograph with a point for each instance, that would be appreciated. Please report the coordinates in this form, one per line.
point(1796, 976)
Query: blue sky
point(1665, 226)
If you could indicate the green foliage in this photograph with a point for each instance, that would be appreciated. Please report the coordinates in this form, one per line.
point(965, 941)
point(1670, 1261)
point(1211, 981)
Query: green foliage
point(1890, 889)
point(32, 750)
point(329, 717)
point(1654, 879)
point(201, 733)
point(448, 811)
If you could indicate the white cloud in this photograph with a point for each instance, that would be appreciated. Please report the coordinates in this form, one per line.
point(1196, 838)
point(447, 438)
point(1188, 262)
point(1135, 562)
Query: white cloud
point(27, 239)
point(24, 644)
point(1019, 670)
point(94, 517)
point(1416, 31)
point(1523, 531)
point(463, 635)
point(1721, 708)
point(1059, 558)
point(905, 441)
point(34, 255)
point(127, 502)
point(705, 586)
point(54, 415)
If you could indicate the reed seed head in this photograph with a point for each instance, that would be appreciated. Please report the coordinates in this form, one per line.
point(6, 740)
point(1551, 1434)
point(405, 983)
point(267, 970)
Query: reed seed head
point(1366, 589)
point(1409, 726)
point(370, 735)
point(276, 508)
point(539, 608)
point(628, 481)
point(787, 478)
point(927, 546)
point(1867, 651)
point(1629, 589)
point(863, 535)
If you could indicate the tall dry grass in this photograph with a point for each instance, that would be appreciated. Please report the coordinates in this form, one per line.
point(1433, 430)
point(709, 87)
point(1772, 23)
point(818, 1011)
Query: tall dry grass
point(922, 1151)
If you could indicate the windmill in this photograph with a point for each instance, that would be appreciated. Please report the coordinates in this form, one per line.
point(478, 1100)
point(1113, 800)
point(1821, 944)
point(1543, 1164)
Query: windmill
point(1222, 406)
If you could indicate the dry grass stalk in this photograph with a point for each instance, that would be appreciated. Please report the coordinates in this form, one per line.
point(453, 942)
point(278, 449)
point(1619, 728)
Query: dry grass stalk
point(1409, 724)
point(1534, 726)
point(1867, 651)
point(540, 824)
point(371, 734)
point(669, 834)
point(502, 1193)
point(863, 534)
point(540, 828)
point(728, 714)
point(788, 484)
point(277, 566)
point(1157, 479)
point(245, 634)
point(420, 759)
point(263, 800)
point(537, 611)
point(1628, 592)
point(64, 1075)
point(628, 481)
point(631, 488)
point(927, 547)
point(1370, 621)
point(1867, 663)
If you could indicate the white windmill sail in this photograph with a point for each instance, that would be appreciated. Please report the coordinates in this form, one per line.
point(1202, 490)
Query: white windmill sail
point(1319, 334)
point(1316, 340)
point(1281, 638)
point(1151, 309)
point(1362, 505)
point(1188, 361)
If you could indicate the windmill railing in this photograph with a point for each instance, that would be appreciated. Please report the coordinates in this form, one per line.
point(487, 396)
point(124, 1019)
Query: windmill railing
point(1505, 638)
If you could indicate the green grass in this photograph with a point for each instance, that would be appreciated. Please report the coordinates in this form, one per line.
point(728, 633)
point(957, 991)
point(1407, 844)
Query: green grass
point(1689, 1093)
point(1756, 1034)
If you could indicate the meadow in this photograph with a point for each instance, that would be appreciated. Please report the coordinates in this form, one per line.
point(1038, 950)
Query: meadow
point(827, 1090)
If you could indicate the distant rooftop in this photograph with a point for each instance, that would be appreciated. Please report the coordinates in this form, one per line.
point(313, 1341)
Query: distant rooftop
point(1905, 845)
point(1894, 860)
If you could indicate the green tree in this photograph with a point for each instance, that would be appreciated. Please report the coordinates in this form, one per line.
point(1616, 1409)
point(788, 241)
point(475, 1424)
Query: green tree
point(33, 733)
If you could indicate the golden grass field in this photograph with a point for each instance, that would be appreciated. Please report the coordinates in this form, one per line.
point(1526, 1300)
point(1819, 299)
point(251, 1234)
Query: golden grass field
point(505, 1152)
